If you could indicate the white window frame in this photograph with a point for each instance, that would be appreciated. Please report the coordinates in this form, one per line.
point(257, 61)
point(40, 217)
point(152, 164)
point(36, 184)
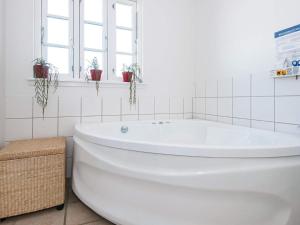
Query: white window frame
point(76, 44)
point(112, 33)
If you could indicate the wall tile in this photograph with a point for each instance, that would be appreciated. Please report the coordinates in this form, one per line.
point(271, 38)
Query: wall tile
point(107, 119)
point(241, 86)
point(111, 106)
point(288, 128)
point(91, 119)
point(263, 108)
point(199, 106)
point(241, 107)
point(263, 125)
point(225, 87)
point(91, 106)
point(128, 109)
point(51, 109)
point(288, 109)
point(225, 107)
point(162, 105)
point(262, 85)
point(200, 89)
point(130, 118)
point(242, 122)
point(212, 88)
point(176, 105)
point(225, 120)
point(46, 127)
point(18, 107)
point(212, 106)
point(13, 131)
point(146, 105)
point(211, 118)
point(162, 117)
point(146, 117)
point(67, 126)
point(188, 104)
point(177, 116)
point(188, 116)
point(287, 87)
point(199, 116)
point(69, 105)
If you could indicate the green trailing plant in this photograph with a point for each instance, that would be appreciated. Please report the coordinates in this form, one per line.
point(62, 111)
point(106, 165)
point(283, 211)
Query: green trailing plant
point(135, 69)
point(45, 76)
point(94, 73)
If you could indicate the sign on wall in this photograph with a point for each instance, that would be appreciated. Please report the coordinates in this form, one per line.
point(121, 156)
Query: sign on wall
point(287, 46)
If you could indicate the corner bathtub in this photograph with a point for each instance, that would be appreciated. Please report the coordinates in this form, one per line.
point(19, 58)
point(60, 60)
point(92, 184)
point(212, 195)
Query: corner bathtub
point(187, 173)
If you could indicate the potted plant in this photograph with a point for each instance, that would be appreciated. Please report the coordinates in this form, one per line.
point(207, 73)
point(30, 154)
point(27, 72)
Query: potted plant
point(40, 68)
point(132, 74)
point(45, 75)
point(94, 72)
point(127, 73)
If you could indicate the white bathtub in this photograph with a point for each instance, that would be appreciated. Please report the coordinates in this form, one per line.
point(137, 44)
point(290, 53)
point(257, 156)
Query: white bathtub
point(187, 173)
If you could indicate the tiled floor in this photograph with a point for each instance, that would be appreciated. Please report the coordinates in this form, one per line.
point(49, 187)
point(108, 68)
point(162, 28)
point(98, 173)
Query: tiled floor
point(74, 213)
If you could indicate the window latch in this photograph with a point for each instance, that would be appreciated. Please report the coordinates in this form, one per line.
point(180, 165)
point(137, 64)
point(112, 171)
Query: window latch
point(114, 6)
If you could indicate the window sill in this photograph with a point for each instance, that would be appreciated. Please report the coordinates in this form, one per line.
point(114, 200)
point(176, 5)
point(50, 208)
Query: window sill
point(84, 83)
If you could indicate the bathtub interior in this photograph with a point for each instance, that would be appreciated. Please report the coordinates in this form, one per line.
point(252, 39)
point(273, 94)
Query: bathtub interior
point(191, 133)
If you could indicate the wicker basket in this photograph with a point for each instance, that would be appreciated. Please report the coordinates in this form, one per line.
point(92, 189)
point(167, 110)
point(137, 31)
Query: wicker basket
point(32, 176)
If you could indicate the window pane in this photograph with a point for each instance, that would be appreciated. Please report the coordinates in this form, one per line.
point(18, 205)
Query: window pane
point(58, 7)
point(58, 31)
point(93, 10)
point(93, 36)
point(121, 60)
point(124, 15)
point(59, 57)
point(124, 41)
point(89, 56)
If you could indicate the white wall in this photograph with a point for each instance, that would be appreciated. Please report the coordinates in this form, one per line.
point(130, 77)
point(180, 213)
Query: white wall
point(2, 81)
point(168, 63)
point(235, 54)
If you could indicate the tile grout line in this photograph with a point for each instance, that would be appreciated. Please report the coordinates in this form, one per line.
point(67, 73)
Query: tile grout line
point(251, 116)
point(192, 107)
point(183, 108)
point(217, 100)
point(154, 109)
point(169, 107)
point(205, 100)
point(232, 103)
point(80, 109)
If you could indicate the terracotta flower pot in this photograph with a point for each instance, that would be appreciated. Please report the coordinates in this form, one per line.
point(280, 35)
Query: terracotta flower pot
point(41, 71)
point(127, 76)
point(96, 75)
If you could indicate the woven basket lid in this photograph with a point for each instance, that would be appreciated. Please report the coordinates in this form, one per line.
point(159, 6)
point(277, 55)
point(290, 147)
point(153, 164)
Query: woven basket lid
point(33, 148)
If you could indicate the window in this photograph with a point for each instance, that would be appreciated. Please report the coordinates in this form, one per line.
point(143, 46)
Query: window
point(73, 32)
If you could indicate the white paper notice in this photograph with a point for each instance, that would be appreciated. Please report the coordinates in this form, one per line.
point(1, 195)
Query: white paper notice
point(287, 46)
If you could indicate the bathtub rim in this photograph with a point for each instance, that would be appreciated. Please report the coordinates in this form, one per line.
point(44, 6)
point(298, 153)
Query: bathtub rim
point(209, 151)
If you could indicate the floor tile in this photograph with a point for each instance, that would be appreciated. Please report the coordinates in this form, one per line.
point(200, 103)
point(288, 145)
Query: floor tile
point(100, 222)
point(78, 213)
point(44, 217)
point(72, 197)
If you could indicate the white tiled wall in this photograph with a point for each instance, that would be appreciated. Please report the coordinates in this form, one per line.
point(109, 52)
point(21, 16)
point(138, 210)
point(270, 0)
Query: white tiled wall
point(24, 118)
point(256, 101)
